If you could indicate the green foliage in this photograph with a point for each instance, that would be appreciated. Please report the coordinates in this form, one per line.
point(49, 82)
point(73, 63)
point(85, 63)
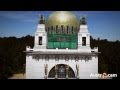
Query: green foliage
point(12, 57)
point(109, 58)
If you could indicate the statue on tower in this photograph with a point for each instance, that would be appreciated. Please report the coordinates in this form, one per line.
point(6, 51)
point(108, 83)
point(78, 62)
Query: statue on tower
point(83, 20)
point(42, 20)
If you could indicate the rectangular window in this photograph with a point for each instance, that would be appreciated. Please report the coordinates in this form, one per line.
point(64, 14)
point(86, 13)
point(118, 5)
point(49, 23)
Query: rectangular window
point(40, 40)
point(83, 41)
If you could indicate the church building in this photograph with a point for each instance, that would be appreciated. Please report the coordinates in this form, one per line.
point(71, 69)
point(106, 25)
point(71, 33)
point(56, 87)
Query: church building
point(61, 49)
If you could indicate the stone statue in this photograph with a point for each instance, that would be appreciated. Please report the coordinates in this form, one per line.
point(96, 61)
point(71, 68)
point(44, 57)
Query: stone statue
point(56, 69)
point(77, 68)
point(83, 20)
point(46, 70)
point(42, 20)
point(67, 71)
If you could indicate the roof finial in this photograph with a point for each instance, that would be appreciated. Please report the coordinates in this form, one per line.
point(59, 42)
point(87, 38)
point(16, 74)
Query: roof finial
point(42, 19)
point(83, 20)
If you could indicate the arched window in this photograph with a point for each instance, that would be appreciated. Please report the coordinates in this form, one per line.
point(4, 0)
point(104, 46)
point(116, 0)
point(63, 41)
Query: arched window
point(61, 71)
point(56, 29)
point(72, 27)
point(72, 30)
point(48, 30)
point(53, 30)
point(62, 28)
point(51, 27)
point(67, 29)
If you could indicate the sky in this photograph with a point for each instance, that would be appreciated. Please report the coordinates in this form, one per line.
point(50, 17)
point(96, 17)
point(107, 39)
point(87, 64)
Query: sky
point(102, 24)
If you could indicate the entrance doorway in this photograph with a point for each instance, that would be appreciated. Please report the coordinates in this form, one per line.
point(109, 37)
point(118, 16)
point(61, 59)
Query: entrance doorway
point(61, 71)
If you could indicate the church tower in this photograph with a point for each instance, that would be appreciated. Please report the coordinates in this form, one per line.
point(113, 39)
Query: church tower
point(40, 35)
point(61, 49)
point(83, 36)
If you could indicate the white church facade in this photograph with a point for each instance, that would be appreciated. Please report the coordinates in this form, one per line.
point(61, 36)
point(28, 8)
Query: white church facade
point(61, 49)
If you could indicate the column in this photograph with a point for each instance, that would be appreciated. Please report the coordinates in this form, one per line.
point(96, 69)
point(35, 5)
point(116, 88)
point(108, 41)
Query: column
point(77, 68)
point(56, 68)
point(46, 67)
point(67, 70)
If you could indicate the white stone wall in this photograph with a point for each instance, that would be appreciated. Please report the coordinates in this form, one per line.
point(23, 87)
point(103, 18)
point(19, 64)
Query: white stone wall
point(40, 33)
point(86, 68)
point(83, 32)
point(35, 68)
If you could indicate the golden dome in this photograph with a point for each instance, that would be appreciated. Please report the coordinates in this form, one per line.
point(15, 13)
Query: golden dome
point(62, 18)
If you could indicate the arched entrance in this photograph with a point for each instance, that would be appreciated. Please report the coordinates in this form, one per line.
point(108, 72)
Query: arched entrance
point(61, 71)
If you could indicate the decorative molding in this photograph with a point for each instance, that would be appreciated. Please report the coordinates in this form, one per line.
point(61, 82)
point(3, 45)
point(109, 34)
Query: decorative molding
point(76, 58)
point(56, 58)
point(66, 58)
point(62, 57)
point(47, 58)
